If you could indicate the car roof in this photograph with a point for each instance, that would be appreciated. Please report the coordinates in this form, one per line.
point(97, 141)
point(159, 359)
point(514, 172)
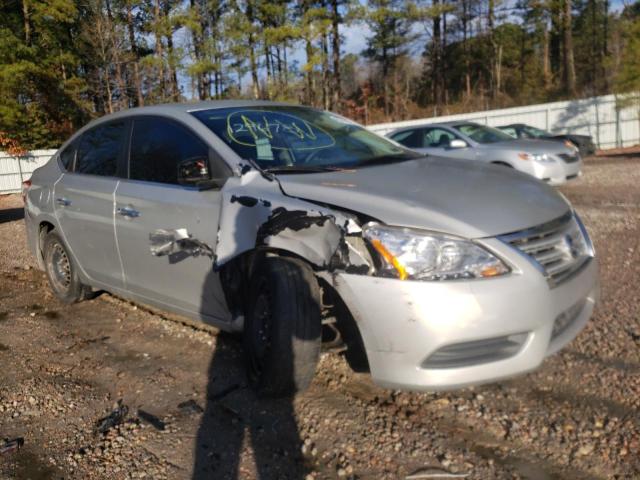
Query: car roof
point(170, 109)
point(173, 110)
point(457, 123)
point(186, 107)
point(179, 110)
point(451, 123)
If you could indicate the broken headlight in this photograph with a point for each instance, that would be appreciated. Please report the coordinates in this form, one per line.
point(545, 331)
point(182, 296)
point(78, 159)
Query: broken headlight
point(410, 254)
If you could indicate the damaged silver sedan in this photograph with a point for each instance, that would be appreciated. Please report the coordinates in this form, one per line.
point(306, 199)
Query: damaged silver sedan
point(299, 227)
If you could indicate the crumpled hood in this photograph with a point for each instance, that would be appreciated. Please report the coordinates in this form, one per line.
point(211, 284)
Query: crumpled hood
point(458, 197)
point(528, 145)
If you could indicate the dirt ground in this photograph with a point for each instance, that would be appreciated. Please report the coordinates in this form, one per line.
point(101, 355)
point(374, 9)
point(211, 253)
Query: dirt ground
point(190, 415)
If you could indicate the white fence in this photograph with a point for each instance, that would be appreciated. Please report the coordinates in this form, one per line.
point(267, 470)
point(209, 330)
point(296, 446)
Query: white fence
point(15, 170)
point(599, 117)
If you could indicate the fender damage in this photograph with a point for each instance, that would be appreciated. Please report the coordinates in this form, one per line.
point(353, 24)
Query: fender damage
point(328, 239)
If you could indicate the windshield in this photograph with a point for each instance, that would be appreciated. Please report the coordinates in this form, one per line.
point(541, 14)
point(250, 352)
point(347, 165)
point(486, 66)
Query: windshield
point(535, 132)
point(294, 139)
point(483, 134)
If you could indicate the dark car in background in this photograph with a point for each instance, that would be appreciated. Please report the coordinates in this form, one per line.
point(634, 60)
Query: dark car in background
point(584, 143)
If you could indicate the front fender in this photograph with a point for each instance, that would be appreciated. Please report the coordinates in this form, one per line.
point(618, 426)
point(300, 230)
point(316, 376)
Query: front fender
point(269, 218)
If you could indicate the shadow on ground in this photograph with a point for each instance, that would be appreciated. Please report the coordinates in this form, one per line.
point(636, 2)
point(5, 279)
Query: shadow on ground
point(11, 215)
point(235, 418)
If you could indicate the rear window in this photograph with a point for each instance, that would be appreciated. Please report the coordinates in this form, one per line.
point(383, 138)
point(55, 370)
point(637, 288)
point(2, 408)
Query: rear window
point(99, 149)
point(534, 132)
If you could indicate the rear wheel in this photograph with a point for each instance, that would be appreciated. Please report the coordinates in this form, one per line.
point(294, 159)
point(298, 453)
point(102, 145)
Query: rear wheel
point(61, 271)
point(282, 333)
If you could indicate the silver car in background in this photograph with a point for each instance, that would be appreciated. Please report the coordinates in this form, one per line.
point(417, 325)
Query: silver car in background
point(550, 161)
point(279, 221)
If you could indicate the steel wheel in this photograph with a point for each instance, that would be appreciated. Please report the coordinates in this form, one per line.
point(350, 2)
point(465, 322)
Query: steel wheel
point(61, 271)
point(60, 268)
point(282, 327)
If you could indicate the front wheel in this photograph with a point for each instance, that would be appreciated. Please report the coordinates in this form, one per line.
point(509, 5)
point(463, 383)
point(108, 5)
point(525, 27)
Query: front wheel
point(61, 271)
point(283, 328)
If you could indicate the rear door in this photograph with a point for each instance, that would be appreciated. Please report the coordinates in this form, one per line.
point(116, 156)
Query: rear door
point(151, 199)
point(84, 202)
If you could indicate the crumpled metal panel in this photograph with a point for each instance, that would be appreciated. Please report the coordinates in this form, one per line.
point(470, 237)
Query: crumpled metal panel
point(269, 218)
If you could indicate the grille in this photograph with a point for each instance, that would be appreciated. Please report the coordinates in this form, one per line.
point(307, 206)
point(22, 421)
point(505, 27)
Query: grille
point(569, 158)
point(559, 248)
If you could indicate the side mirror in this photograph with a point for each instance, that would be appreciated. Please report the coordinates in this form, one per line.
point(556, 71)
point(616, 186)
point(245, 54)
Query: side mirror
point(457, 143)
point(194, 171)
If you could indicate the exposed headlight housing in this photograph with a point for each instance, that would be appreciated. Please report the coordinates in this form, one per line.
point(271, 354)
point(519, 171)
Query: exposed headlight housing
point(410, 254)
point(536, 157)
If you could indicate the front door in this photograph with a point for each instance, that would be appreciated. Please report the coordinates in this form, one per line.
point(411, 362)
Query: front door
point(151, 199)
point(437, 141)
point(83, 204)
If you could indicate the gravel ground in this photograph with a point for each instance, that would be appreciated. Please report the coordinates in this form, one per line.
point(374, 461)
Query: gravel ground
point(65, 367)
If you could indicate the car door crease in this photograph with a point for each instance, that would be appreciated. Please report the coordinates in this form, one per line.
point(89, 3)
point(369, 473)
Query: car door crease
point(59, 223)
point(115, 234)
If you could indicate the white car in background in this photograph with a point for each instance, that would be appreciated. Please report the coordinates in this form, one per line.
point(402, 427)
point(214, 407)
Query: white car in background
point(550, 161)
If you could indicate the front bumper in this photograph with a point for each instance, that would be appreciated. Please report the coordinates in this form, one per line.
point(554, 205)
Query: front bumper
point(405, 324)
point(558, 172)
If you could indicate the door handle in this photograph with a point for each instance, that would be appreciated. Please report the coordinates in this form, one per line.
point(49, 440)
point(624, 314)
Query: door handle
point(128, 212)
point(63, 202)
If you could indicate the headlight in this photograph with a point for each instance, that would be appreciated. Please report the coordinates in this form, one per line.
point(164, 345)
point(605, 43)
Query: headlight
point(410, 254)
point(536, 157)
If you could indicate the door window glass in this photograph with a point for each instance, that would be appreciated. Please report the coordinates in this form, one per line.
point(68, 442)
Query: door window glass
point(158, 147)
point(409, 138)
point(438, 138)
point(510, 131)
point(67, 156)
point(99, 150)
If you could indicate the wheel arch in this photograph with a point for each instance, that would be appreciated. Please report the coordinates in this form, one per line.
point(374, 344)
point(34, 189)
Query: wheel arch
point(44, 227)
point(236, 276)
point(502, 163)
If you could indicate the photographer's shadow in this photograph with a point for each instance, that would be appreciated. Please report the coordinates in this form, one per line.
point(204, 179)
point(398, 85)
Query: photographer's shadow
point(240, 433)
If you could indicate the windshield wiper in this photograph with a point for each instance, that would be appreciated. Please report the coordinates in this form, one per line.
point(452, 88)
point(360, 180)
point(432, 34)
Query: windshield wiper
point(300, 169)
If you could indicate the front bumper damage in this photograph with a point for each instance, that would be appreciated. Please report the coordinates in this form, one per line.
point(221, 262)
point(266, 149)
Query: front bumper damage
point(444, 335)
point(419, 335)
